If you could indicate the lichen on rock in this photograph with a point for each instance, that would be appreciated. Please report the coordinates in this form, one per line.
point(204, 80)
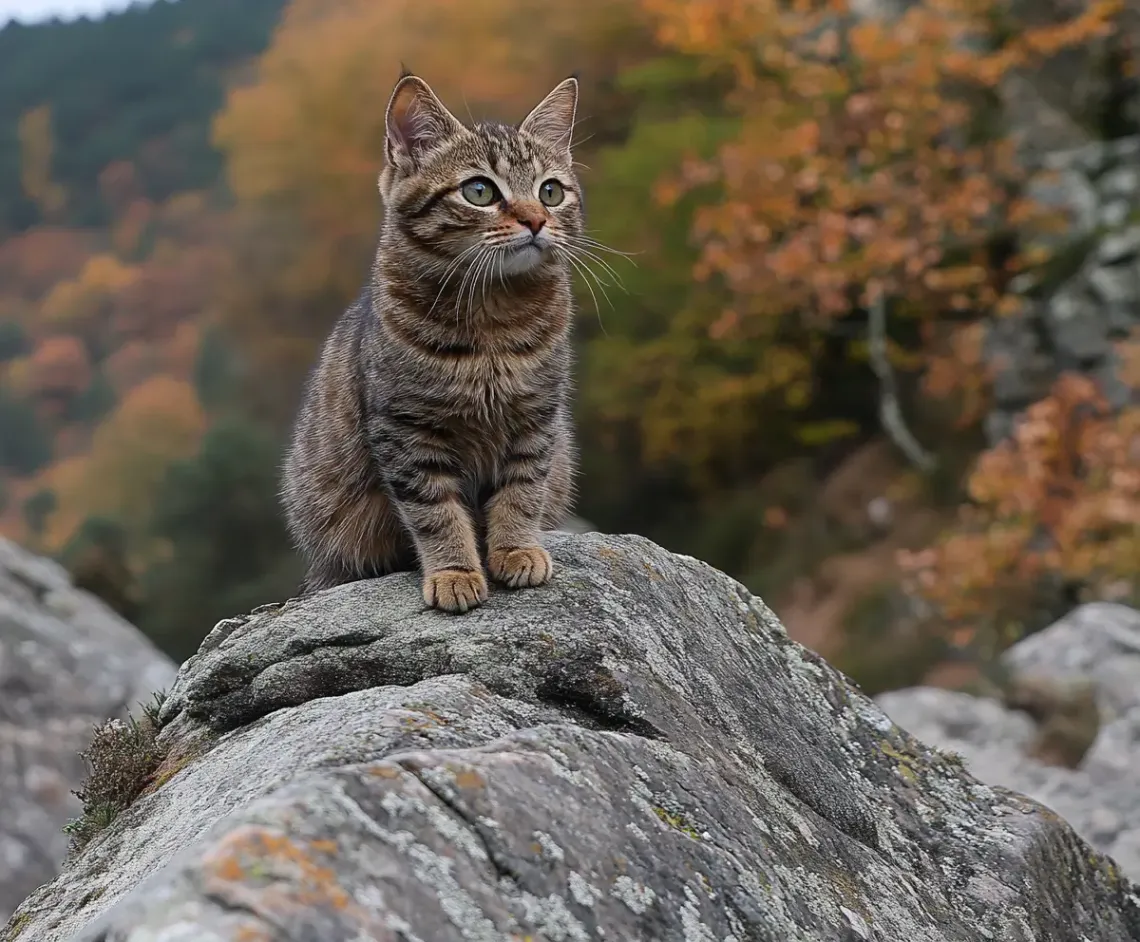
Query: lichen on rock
point(635, 751)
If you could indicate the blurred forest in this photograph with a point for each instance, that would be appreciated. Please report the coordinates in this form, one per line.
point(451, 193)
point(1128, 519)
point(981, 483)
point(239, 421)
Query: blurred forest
point(823, 211)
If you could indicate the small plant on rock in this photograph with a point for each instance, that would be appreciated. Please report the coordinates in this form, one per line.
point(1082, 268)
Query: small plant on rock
point(121, 762)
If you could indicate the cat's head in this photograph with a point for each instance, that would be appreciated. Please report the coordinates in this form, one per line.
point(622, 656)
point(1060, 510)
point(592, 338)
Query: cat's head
point(493, 196)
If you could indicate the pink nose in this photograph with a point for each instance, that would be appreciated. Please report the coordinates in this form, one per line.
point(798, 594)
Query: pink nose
point(529, 214)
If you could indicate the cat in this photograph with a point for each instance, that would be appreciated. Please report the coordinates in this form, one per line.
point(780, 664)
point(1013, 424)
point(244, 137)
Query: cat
point(436, 425)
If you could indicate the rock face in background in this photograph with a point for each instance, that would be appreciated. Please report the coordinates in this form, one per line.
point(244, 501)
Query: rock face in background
point(1098, 643)
point(636, 751)
point(66, 663)
point(1088, 296)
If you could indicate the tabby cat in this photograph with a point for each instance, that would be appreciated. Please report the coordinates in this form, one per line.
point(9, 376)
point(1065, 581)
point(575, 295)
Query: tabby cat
point(436, 428)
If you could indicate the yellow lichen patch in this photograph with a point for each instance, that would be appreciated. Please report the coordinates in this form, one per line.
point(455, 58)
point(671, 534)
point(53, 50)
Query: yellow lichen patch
point(264, 871)
point(606, 553)
point(249, 932)
point(469, 779)
point(905, 764)
point(677, 822)
point(293, 874)
point(654, 575)
point(385, 771)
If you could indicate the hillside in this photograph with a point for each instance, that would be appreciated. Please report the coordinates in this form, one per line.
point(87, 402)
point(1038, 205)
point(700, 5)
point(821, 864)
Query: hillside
point(138, 86)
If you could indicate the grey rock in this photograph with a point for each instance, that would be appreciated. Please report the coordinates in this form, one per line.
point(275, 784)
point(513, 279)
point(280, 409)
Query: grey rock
point(636, 751)
point(1115, 213)
point(1120, 246)
point(66, 663)
point(1098, 642)
point(1077, 328)
point(1122, 181)
point(1118, 284)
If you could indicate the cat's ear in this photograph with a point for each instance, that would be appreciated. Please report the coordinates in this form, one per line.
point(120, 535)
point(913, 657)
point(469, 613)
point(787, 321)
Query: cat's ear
point(552, 120)
point(416, 122)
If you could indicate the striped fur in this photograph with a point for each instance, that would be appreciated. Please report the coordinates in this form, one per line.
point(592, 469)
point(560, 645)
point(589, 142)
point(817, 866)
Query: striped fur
point(436, 426)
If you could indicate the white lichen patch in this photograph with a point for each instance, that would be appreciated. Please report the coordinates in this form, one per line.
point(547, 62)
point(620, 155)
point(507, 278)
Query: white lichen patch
point(551, 917)
point(550, 849)
point(429, 867)
point(636, 831)
point(443, 821)
point(691, 925)
point(635, 895)
point(583, 892)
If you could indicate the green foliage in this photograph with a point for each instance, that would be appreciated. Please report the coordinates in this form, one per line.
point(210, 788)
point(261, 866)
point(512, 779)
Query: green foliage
point(24, 444)
point(37, 509)
point(13, 341)
point(152, 77)
point(214, 371)
point(229, 550)
point(96, 557)
point(96, 402)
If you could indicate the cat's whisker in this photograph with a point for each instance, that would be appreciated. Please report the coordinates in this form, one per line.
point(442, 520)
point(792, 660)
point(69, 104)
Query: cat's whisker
point(601, 246)
point(617, 282)
point(451, 269)
point(477, 267)
point(587, 275)
point(468, 274)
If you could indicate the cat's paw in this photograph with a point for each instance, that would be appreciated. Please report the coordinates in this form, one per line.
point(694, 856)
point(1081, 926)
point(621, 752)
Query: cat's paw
point(516, 568)
point(455, 590)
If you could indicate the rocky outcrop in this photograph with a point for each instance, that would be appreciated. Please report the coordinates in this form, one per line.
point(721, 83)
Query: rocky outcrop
point(1075, 116)
point(1087, 297)
point(1098, 644)
point(636, 751)
point(66, 662)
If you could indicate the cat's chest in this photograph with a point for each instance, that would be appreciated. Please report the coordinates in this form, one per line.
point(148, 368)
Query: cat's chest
point(495, 385)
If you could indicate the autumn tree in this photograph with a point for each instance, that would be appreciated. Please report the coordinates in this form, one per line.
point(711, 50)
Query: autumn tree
point(157, 422)
point(36, 150)
point(867, 175)
point(1053, 518)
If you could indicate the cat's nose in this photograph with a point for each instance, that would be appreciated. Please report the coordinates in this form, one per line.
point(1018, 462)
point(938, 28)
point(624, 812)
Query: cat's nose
point(530, 215)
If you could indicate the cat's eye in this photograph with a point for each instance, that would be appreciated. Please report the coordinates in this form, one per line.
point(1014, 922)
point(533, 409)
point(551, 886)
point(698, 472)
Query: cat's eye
point(551, 193)
point(480, 191)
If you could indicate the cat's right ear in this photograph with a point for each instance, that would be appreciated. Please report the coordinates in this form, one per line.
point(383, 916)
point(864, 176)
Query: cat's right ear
point(416, 122)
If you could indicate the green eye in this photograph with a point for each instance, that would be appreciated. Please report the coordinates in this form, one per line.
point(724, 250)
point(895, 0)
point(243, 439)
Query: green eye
point(551, 193)
point(480, 191)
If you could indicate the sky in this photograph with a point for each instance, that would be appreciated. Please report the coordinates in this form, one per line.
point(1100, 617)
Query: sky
point(29, 11)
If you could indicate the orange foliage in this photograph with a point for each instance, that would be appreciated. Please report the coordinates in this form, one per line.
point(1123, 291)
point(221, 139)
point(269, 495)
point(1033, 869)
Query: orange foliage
point(84, 304)
point(33, 261)
point(158, 422)
point(1060, 501)
point(857, 171)
point(59, 367)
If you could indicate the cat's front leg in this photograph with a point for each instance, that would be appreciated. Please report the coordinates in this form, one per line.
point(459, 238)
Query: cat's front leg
point(514, 513)
point(444, 535)
point(426, 492)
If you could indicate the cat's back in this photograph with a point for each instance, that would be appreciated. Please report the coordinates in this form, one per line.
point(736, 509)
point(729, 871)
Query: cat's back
point(327, 429)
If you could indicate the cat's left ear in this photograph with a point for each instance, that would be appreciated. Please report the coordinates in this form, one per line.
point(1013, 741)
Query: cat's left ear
point(552, 120)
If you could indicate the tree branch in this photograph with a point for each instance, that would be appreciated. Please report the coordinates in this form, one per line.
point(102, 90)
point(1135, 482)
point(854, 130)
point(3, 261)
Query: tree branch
point(890, 413)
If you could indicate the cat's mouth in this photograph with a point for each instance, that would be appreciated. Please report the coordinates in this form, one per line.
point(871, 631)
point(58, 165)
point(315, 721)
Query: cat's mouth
point(524, 256)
